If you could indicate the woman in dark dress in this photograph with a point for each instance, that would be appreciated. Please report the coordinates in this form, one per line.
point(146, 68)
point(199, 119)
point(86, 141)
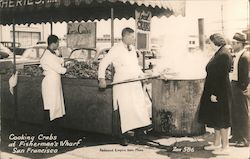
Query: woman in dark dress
point(216, 101)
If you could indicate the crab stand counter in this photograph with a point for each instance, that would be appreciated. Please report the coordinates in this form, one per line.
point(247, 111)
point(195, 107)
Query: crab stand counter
point(87, 108)
point(175, 106)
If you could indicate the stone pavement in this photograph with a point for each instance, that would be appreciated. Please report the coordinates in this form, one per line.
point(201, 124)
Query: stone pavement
point(98, 146)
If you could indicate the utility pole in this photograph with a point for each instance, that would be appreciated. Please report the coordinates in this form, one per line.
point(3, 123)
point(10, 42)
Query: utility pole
point(248, 16)
point(222, 19)
point(43, 32)
point(1, 34)
point(201, 33)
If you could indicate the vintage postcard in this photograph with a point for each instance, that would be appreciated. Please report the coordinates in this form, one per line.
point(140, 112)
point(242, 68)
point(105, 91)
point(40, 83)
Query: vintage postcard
point(124, 79)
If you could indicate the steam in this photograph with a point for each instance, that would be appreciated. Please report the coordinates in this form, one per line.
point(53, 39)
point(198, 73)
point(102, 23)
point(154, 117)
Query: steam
point(174, 57)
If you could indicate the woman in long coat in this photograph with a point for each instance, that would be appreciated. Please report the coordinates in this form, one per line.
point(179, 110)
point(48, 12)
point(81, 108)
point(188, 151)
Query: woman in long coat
point(216, 101)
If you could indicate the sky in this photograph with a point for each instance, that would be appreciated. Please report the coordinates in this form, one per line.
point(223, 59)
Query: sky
point(175, 31)
point(234, 15)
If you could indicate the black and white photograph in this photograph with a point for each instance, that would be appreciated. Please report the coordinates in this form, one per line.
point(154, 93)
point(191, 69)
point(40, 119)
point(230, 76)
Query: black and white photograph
point(124, 79)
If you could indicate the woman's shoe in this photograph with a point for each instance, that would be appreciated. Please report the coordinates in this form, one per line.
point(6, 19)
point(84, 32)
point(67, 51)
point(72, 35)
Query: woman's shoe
point(221, 151)
point(212, 147)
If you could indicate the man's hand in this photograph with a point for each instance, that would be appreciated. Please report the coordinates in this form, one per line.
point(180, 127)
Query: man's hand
point(245, 92)
point(102, 83)
point(146, 81)
point(213, 98)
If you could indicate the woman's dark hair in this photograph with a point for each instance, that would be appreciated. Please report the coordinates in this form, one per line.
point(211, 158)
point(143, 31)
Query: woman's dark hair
point(126, 31)
point(218, 39)
point(52, 39)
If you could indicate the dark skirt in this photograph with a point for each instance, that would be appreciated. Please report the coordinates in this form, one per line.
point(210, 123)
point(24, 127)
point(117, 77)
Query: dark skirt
point(216, 115)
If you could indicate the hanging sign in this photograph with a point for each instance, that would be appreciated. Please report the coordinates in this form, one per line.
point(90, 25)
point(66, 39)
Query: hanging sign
point(81, 35)
point(143, 19)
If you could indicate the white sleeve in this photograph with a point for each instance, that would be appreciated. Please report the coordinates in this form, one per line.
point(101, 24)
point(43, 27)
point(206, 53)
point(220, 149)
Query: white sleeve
point(55, 65)
point(105, 62)
point(59, 67)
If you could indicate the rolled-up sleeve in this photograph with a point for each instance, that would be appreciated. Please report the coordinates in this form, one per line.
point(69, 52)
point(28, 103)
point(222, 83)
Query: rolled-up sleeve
point(105, 62)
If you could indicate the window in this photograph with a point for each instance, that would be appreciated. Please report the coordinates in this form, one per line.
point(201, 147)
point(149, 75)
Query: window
point(142, 41)
point(26, 38)
point(191, 42)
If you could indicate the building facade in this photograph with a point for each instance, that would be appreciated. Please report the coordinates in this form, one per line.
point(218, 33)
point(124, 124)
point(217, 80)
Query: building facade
point(24, 34)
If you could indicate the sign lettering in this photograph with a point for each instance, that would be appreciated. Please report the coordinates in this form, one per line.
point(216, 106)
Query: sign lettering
point(145, 26)
point(24, 3)
point(143, 19)
point(81, 35)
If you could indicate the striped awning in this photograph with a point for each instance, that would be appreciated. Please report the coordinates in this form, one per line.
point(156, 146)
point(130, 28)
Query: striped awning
point(42, 11)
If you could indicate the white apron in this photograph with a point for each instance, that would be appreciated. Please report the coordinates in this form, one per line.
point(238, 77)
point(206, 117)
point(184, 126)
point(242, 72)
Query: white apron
point(130, 96)
point(51, 85)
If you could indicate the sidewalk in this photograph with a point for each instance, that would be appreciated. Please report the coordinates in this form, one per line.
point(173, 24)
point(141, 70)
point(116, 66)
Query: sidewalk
point(149, 152)
point(98, 146)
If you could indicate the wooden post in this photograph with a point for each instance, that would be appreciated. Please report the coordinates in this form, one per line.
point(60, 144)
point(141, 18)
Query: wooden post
point(43, 32)
point(112, 27)
point(14, 46)
point(1, 34)
point(143, 61)
point(201, 33)
point(89, 54)
point(112, 73)
point(51, 28)
point(112, 36)
point(14, 71)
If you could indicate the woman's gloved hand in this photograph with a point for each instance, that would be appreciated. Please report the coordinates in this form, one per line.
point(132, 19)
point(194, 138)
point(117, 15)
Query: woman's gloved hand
point(213, 98)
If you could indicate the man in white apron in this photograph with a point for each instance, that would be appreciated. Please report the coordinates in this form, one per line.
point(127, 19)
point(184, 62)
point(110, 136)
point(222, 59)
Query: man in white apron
point(128, 98)
point(51, 85)
point(240, 80)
